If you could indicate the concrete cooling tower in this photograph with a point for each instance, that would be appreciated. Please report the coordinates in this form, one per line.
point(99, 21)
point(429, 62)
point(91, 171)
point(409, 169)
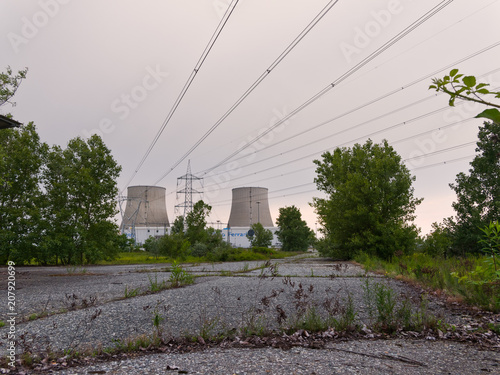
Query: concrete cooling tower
point(145, 214)
point(250, 205)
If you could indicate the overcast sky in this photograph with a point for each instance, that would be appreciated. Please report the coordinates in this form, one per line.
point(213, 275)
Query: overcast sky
point(116, 67)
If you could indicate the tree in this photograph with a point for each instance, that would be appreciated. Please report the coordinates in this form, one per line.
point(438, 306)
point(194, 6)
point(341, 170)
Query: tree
point(178, 225)
point(262, 237)
point(293, 232)
point(9, 84)
point(478, 193)
point(370, 203)
point(81, 190)
point(439, 241)
point(21, 158)
point(196, 221)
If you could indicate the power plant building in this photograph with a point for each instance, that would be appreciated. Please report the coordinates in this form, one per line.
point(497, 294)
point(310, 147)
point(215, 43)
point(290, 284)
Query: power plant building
point(145, 214)
point(250, 205)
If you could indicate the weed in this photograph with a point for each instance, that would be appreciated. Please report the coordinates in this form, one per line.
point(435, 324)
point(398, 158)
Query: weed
point(78, 336)
point(155, 285)
point(347, 320)
point(254, 323)
point(130, 293)
point(385, 303)
point(179, 276)
point(73, 302)
point(2, 323)
point(494, 327)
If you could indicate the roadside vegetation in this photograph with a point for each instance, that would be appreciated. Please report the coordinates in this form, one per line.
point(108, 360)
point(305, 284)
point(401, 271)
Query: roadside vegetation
point(368, 212)
point(234, 255)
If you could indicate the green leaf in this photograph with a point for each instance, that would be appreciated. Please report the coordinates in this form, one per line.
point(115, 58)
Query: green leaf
point(490, 114)
point(469, 81)
point(481, 85)
point(483, 91)
point(454, 72)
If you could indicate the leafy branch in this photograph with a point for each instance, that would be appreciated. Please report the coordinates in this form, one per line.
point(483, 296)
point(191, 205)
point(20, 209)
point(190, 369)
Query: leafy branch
point(467, 88)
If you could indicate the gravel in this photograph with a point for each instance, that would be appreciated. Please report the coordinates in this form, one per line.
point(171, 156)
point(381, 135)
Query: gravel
point(226, 297)
point(353, 357)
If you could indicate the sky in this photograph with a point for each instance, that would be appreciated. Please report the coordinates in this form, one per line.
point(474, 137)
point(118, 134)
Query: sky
point(116, 68)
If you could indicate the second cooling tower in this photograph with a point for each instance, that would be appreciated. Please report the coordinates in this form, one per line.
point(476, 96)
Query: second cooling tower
point(250, 205)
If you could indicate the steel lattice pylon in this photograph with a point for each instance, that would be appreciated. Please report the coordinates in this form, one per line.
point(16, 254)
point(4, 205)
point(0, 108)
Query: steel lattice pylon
point(187, 182)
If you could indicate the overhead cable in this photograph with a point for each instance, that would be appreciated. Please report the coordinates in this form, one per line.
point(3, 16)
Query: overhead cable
point(340, 79)
point(188, 83)
point(287, 50)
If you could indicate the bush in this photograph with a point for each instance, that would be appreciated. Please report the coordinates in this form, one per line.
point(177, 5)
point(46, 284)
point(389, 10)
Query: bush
point(199, 249)
point(438, 242)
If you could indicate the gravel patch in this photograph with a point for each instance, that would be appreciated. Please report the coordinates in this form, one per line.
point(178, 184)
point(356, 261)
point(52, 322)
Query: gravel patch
point(353, 357)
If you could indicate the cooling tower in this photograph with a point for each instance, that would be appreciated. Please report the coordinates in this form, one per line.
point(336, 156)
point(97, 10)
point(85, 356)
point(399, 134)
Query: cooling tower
point(250, 205)
point(146, 207)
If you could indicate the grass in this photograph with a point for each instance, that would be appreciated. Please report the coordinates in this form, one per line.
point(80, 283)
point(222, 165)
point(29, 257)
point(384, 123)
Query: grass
point(451, 277)
point(144, 257)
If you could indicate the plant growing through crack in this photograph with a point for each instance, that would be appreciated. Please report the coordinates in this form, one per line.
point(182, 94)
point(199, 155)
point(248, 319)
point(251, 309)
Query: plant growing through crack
point(179, 276)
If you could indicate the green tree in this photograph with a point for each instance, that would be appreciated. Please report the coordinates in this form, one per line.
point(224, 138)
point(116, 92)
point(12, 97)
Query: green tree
point(438, 242)
point(9, 83)
point(178, 225)
point(293, 232)
point(369, 205)
point(478, 192)
point(196, 221)
point(81, 190)
point(262, 237)
point(21, 159)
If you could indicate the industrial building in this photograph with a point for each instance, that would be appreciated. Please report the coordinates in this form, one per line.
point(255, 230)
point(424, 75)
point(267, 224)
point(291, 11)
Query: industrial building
point(250, 205)
point(145, 213)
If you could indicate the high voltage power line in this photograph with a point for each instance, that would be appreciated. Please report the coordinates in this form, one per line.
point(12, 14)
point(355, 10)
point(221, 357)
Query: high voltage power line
point(263, 76)
point(340, 79)
point(398, 90)
point(222, 203)
point(188, 83)
point(353, 140)
point(384, 96)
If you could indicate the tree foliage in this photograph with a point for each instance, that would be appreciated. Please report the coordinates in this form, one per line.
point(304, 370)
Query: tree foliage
point(369, 205)
point(262, 237)
point(21, 159)
point(438, 242)
point(293, 232)
point(81, 192)
point(196, 221)
point(478, 192)
point(9, 83)
point(56, 205)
